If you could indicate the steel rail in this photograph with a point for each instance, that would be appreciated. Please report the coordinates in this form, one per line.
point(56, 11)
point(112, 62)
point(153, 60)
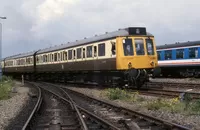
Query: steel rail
point(84, 110)
point(147, 117)
point(37, 105)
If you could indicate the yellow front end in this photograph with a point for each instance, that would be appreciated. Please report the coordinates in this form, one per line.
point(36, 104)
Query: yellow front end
point(136, 52)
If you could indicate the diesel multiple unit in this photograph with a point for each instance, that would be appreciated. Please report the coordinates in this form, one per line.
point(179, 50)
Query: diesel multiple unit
point(125, 56)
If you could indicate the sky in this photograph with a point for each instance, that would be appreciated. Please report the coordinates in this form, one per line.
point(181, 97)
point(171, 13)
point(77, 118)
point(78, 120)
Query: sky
point(38, 24)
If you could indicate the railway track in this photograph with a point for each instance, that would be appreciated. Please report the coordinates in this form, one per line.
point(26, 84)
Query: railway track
point(122, 117)
point(172, 89)
point(173, 85)
point(160, 89)
point(27, 124)
point(169, 93)
point(63, 113)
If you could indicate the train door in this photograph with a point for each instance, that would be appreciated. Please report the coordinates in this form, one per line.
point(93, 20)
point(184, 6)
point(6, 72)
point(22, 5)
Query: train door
point(74, 55)
point(95, 57)
point(83, 54)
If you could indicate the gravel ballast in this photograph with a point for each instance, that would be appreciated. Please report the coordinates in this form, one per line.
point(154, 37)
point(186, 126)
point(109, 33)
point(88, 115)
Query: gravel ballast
point(191, 121)
point(172, 80)
point(10, 108)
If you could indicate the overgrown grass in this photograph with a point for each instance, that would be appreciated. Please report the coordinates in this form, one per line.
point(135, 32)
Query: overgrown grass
point(119, 94)
point(188, 106)
point(5, 87)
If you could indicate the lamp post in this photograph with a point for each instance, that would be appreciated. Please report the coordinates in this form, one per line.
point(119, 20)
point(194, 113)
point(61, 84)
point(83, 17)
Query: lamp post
point(1, 72)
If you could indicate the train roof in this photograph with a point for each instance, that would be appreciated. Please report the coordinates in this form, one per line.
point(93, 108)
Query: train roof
point(121, 32)
point(177, 44)
point(20, 55)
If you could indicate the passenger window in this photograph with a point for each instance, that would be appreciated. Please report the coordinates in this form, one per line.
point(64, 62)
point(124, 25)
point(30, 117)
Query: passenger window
point(61, 56)
point(52, 58)
point(159, 55)
point(168, 55)
point(113, 49)
point(150, 47)
point(180, 54)
point(41, 59)
point(65, 55)
point(69, 54)
point(55, 57)
point(101, 49)
point(79, 53)
point(139, 44)
point(44, 58)
point(58, 56)
point(83, 52)
point(89, 51)
point(95, 51)
point(193, 52)
point(128, 47)
point(37, 59)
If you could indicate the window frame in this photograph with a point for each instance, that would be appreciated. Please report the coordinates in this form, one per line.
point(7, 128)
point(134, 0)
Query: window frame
point(178, 51)
point(195, 48)
point(70, 54)
point(166, 53)
point(88, 53)
point(100, 51)
point(144, 51)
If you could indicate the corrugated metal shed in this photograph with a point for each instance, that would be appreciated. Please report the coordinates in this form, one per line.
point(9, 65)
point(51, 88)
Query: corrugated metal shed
point(182, 44)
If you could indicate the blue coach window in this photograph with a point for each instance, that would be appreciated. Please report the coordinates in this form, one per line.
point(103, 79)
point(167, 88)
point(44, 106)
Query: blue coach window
point(159, 55)
point(193, 52)
point(180, 54)
point(168, 55)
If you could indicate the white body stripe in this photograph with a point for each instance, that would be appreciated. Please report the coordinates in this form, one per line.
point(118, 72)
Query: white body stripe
point(182, 62)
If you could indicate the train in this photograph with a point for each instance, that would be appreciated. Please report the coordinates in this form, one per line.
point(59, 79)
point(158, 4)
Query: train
point(125, 57)
point(180, 59)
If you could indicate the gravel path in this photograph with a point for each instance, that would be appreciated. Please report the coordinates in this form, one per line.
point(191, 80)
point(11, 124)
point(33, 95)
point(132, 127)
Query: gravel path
point(189, 121)
point(9, 109)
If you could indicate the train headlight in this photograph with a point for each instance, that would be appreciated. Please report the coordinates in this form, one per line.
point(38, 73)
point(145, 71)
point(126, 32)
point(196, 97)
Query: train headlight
point(152, 63)
point(129, 65)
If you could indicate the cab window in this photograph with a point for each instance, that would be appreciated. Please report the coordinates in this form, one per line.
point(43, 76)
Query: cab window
point(149, 46)
point(139, 44)
point(128, 47)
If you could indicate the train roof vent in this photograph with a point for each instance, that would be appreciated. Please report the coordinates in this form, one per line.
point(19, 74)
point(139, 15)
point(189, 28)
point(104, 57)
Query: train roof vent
point(85, 38)
point(106, 32)
point(95, 35)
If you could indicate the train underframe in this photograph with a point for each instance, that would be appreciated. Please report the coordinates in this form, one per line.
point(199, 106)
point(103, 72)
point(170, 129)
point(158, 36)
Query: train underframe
point(132, 78)
point(181, 72)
